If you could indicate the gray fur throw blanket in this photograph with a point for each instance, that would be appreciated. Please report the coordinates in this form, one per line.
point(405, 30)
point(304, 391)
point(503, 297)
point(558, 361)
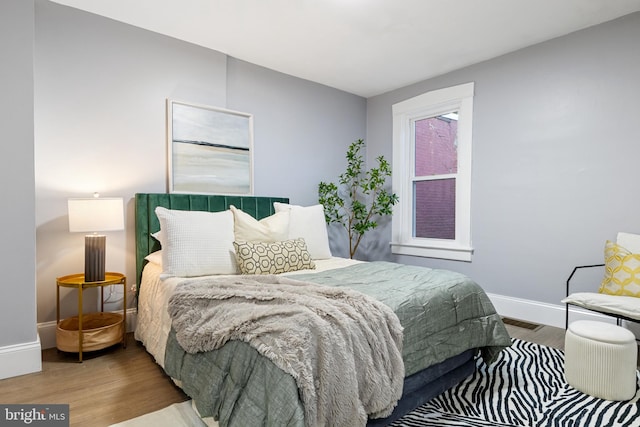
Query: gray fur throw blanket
point(343, 348)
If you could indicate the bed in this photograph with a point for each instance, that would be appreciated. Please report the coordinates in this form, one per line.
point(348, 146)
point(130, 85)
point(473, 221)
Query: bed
point(236, 384)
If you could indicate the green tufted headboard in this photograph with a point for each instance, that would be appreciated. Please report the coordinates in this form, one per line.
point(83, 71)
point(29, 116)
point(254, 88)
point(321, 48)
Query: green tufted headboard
point(147, 221)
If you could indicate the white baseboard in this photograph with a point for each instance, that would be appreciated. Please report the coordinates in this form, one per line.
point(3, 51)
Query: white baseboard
point(47, 330)
point(541, 312)
point(20, 359)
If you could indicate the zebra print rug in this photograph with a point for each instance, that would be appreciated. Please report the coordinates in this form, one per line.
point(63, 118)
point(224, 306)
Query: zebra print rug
point(524, 387)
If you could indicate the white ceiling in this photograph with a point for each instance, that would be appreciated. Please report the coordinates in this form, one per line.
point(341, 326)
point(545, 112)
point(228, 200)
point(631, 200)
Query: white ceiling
point(365, 47)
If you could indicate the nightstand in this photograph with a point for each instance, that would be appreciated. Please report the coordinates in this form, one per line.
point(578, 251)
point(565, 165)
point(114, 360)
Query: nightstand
point(90, 331)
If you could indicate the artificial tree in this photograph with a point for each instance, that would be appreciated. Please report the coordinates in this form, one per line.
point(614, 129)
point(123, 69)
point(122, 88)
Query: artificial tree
point(359, 197)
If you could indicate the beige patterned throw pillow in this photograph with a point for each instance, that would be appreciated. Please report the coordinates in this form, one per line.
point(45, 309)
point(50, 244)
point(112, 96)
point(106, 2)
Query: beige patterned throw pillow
point(272, 258)
point(622, 271)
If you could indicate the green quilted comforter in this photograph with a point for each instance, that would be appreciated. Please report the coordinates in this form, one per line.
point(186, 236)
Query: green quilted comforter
point(443, 313)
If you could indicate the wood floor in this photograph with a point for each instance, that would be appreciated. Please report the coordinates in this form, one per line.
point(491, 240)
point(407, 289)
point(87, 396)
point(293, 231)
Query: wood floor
point(109, 386)
point(540, 334)
point(117, 384)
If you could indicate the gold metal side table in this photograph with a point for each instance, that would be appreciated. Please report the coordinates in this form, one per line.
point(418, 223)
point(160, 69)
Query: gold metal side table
point(90, 331)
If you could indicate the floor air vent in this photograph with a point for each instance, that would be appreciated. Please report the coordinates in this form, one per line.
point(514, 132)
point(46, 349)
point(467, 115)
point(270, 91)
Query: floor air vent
point(521, 323)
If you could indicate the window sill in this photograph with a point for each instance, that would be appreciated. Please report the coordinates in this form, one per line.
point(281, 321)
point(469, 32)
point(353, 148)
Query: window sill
point(455, 253)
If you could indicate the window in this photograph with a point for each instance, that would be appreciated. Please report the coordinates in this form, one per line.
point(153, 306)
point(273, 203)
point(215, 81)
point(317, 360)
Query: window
point(432, 174)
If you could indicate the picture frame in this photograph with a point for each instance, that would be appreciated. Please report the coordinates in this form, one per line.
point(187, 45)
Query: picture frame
point(210, 149)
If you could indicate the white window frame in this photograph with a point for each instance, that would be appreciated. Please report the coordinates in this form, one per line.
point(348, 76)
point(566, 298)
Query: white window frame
point(457, 98)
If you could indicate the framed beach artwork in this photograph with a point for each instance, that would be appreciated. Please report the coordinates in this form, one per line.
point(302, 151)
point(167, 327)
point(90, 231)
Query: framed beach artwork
point(210, 150)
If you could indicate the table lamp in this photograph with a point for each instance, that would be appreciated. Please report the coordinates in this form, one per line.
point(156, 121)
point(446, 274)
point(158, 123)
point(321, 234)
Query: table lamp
point(95, 215)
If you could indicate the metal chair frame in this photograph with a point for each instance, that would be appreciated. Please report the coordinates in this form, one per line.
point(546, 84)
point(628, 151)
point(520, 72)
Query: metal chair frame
point(619, 318)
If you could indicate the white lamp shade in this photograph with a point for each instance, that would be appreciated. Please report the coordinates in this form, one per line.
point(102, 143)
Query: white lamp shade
point(96, 214)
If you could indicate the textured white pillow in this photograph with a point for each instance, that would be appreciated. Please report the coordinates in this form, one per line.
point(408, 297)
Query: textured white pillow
point(308, 223)
point(196, 243)
point(273, 228)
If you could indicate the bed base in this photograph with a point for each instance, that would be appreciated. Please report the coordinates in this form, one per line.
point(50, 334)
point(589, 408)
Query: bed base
point(423, 386)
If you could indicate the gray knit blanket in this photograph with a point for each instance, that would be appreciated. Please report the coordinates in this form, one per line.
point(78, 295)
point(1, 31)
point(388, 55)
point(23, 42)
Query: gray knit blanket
point(343, 348)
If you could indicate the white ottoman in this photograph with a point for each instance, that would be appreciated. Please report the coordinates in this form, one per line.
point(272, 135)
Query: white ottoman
point(600, 359)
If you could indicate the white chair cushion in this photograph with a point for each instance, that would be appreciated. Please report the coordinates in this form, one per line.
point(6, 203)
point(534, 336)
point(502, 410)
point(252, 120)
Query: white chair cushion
point(614, 304)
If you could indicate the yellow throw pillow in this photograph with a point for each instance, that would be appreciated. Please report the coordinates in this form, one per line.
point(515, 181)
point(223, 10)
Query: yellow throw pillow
point(622, 271)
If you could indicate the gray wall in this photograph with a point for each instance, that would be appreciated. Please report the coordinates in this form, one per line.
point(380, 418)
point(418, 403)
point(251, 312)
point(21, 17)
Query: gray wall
point(304, 131)
point(555, 157)
point(303, 128)
point(100, 126)
point(17, 253)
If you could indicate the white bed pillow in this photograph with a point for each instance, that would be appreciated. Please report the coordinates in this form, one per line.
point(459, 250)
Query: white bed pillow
point(196, 243)
point(273, 228)
point(155, 257)
point(158, 236)
point(308, 223)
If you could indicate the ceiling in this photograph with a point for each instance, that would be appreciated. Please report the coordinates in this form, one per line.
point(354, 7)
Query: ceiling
point(365, 47)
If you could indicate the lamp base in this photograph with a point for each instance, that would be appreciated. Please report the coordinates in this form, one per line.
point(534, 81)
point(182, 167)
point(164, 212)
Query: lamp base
point(94, 257)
